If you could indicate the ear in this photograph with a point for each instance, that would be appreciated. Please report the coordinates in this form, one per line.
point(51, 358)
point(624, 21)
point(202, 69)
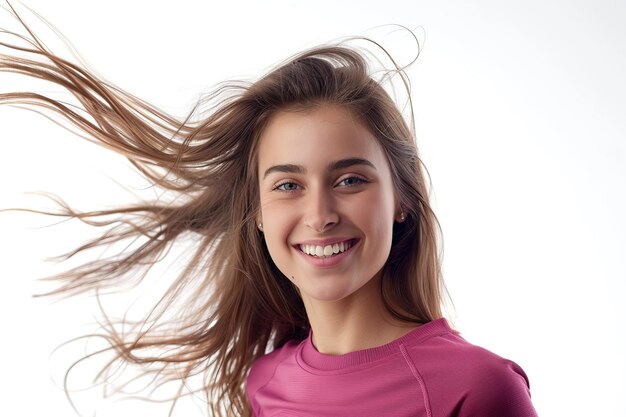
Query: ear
point(400, 215)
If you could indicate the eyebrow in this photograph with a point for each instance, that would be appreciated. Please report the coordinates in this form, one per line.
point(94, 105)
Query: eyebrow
point(333, 166)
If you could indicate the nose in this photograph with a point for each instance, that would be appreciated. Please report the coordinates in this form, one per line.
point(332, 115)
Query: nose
point(321, 212)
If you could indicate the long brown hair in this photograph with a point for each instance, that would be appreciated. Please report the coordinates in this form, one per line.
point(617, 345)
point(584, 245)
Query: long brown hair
point(241, 306)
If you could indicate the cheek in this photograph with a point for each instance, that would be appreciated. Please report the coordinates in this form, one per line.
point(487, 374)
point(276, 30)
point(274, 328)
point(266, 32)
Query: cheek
point(377, 207)
point(378, 213)
point(273, 214)
point(277, 224)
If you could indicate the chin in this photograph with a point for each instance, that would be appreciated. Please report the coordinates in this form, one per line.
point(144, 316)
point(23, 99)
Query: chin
point(329, 292)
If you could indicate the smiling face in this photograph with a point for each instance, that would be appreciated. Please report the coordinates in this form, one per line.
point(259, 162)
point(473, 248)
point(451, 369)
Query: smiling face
point(327, 201)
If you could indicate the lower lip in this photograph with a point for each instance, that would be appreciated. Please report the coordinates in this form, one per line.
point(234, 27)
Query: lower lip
point(331, 260)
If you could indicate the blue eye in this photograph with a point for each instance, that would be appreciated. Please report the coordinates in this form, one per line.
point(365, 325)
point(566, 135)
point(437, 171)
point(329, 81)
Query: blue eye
point(286, 186)
point(352, 181)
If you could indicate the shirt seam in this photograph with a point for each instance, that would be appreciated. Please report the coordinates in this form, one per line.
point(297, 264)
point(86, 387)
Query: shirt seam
point(419, 379)
point(267, 382)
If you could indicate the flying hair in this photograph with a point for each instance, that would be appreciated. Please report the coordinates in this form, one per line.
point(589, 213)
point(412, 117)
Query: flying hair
point(230, 304)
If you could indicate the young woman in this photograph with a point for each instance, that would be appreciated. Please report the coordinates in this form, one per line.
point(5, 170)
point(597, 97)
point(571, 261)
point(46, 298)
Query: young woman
point(316, 287)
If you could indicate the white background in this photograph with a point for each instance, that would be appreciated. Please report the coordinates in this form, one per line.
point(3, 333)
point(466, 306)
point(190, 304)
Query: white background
point(520, 118)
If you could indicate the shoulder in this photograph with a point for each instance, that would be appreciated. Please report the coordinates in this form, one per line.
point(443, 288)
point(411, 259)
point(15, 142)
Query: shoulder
point(496, 386)
point(264, 367)
point(478, 362)
point(469, 380)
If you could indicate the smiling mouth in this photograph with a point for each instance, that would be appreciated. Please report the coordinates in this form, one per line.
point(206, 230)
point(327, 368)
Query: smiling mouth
point(327, 251)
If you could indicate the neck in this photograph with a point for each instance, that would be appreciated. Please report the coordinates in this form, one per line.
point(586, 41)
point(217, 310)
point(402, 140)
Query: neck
point(357, 322)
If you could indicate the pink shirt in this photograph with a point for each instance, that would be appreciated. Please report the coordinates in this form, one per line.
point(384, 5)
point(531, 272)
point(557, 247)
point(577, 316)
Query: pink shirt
point(431, 371)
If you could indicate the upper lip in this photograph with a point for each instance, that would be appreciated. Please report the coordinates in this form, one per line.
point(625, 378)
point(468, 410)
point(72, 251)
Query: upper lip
point(324, 242)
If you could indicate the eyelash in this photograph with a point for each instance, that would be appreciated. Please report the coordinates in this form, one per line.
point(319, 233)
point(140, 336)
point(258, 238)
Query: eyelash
point(360, 181)
point(277, 187)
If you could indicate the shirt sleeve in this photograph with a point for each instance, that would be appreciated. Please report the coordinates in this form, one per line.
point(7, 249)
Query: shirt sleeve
point(250, 396)
point(499, 390)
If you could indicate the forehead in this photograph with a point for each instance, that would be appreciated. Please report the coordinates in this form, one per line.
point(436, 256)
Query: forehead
point(318, 136)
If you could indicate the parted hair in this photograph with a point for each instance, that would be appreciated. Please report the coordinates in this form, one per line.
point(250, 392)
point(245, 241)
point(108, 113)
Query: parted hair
point(241, 306)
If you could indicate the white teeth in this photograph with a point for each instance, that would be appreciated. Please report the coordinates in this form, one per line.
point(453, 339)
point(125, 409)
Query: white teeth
point(325, 251)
